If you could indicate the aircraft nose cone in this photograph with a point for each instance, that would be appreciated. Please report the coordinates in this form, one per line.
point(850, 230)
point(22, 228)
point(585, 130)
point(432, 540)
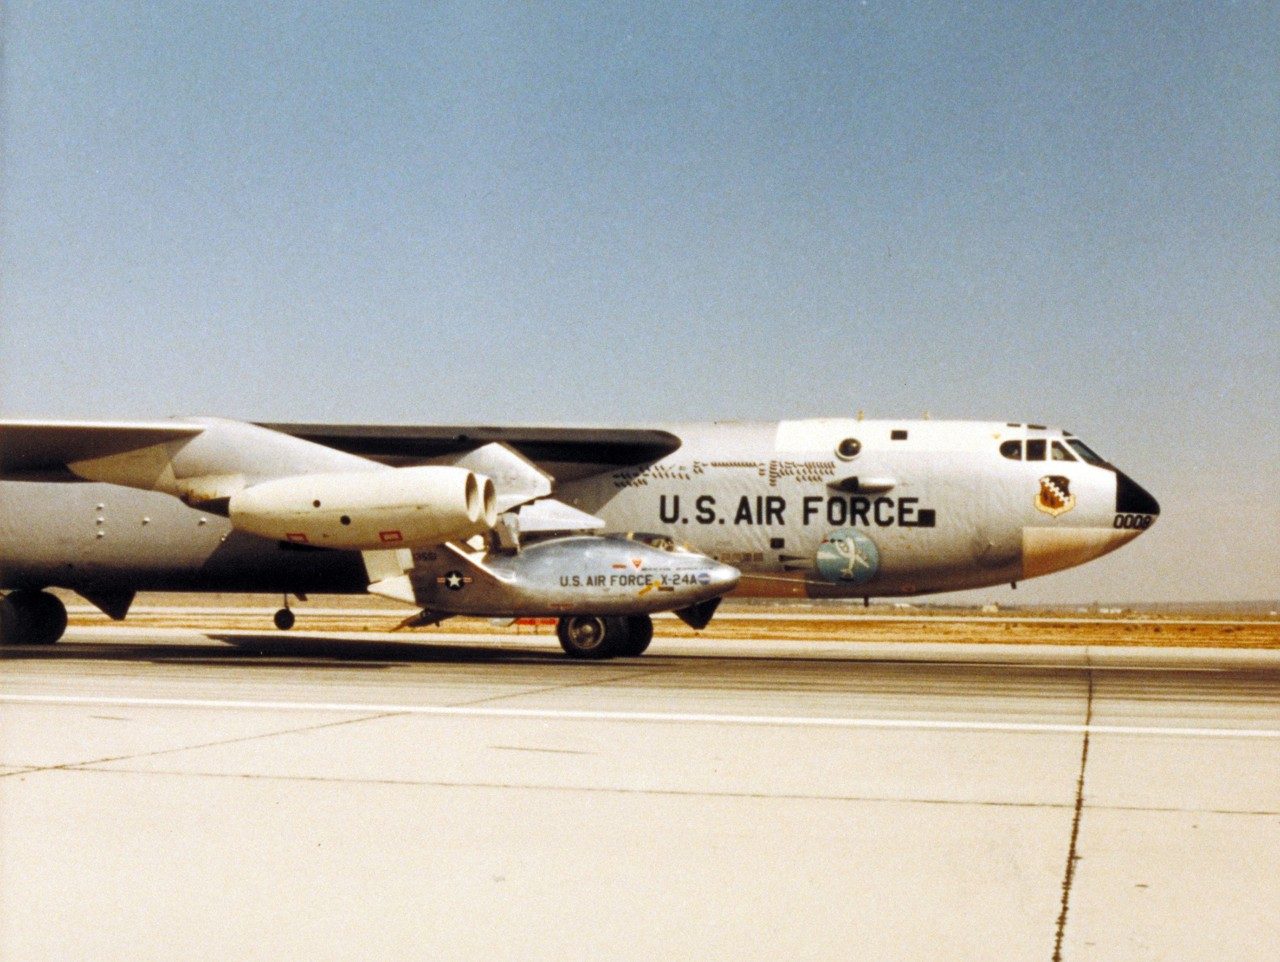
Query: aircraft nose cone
point(724, 577)
point(1132, 498)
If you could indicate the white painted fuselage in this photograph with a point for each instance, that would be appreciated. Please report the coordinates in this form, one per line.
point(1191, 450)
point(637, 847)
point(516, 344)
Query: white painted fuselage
point(841, 507)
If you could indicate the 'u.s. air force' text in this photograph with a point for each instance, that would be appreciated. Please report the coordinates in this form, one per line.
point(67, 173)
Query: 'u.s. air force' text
point(771, 509)
point(666, 581)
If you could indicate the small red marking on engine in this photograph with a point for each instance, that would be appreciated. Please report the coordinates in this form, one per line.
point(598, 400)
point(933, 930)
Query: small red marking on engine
point(390, 537)
point(297, 537)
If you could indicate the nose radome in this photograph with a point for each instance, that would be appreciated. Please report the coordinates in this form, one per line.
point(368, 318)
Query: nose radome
point(725, 577)
point(1133, 498)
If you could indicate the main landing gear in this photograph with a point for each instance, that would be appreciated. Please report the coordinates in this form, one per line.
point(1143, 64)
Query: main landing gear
point(31, 618)
point(596, 637)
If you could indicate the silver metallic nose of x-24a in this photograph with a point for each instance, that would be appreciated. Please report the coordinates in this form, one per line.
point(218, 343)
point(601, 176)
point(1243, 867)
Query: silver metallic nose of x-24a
point(724, 578)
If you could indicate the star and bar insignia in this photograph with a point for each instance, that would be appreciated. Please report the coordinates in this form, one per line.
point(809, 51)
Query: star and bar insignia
point(454, 580)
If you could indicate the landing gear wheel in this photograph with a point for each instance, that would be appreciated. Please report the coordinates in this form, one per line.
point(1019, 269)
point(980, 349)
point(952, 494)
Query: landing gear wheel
point(590, 636)
point(284, 619)
point(32, 618)
point(639, 634)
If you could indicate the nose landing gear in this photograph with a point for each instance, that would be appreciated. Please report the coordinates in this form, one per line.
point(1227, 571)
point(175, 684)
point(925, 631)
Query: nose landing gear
point(284, 618)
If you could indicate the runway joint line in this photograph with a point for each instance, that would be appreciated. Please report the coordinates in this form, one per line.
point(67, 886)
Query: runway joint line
point(1072, 850)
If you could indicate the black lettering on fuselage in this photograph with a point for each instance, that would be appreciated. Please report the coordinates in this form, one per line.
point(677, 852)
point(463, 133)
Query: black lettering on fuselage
point(628, 580)
point(773, 508)
point(760, 510)
point(858, 511)
point(669, 516)
point(885, 518)
point(839, 511)
point(811, 507)
point(907, 512)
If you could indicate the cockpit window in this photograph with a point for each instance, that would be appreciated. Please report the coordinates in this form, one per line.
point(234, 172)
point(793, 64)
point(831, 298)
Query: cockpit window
point(660, 541)
point(1060, 453)
point(1036, 449)
point(1012, 450)
point(1086, 453)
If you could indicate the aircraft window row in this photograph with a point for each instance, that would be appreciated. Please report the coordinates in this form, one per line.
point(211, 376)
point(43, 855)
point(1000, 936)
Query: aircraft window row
point(1037, 449)
point(1086, 453)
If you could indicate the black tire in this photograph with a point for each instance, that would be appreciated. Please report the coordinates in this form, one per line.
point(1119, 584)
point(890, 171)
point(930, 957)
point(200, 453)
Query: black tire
point(283, 619)
point(591, 636)
point(39, 618)
point(52, 617)
point(639, 635)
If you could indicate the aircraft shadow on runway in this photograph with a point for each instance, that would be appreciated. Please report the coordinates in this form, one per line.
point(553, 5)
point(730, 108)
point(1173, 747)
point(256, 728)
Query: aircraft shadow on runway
point(293, 651)
point(855, 677)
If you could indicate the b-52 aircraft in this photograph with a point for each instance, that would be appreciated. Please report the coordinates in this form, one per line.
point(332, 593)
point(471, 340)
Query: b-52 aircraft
point(598, 527)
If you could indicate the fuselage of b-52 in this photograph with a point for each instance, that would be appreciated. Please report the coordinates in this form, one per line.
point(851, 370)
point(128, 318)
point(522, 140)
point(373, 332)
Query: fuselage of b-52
point(833, 507)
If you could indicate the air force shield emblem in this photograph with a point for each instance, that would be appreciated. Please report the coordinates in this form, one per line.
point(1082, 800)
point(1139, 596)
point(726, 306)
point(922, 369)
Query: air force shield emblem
point(1055, 497)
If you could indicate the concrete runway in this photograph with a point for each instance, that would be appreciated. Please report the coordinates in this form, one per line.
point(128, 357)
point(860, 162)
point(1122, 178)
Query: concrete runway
point(166, 795)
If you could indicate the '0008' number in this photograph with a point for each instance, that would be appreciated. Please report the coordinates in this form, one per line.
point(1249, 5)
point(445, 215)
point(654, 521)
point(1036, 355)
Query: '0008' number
point(1127, 522)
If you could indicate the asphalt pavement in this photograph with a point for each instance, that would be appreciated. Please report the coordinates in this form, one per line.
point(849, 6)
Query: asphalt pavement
point(166, 793)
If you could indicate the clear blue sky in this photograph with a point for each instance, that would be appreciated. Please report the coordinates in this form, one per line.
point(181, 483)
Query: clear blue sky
point(616, 213)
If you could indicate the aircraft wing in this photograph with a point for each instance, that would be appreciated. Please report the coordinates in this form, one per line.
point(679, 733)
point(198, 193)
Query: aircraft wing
point(271, 480)
point(566, 453)
point(206, 461)
point(48, 446)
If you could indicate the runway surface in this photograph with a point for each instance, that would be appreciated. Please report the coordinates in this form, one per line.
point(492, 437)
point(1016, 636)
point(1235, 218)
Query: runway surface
point(321, 796)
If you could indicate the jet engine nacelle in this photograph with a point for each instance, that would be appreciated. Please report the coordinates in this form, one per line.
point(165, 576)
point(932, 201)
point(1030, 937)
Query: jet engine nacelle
point(368, 510)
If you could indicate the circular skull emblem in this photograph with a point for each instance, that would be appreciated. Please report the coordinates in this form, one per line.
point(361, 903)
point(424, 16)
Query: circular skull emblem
point(848, 557)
